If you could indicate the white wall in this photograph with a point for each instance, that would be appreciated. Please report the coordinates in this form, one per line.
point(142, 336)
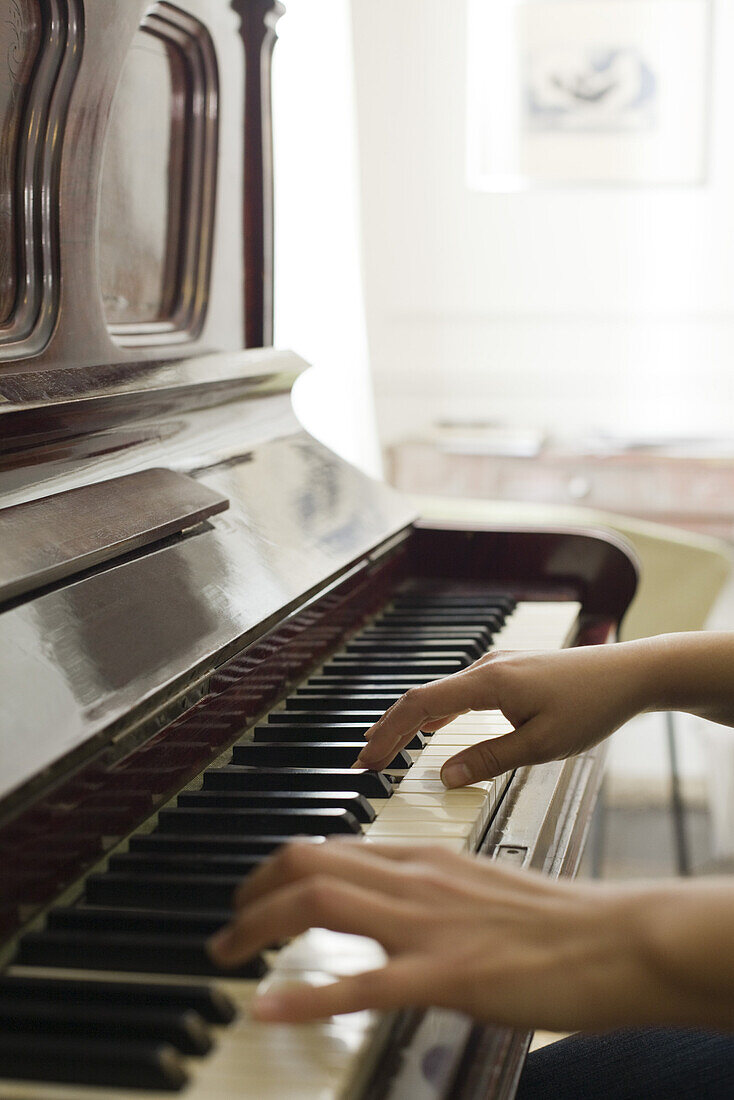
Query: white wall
point(570, 309)
point(319, 309)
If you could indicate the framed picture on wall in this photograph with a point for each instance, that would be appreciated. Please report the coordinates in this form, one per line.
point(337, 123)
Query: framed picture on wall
point(564, 92)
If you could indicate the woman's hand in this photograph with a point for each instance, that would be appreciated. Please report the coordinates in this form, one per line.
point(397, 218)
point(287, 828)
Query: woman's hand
point(560, 703)
point(506, 946)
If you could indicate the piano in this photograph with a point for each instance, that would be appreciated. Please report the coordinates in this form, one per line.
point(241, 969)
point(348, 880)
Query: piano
point(202, 608)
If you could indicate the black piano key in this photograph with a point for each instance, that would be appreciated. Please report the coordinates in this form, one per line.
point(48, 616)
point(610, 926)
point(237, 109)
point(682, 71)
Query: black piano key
point(435, 666)
point(412, 647)
point(162, 891)
point(209, 1001)
point(224, 845)
point(345, 703)
point(324, 731)
point(344, 695)
point(291, 821)
point(435, 599)
point(470, 607)
point(239, 777)
point(126, 951)
point(464, 648)
point(308, 754)
point(172, 863)
point(184, 1030)
point(356, 803)
point(90, 1062)
point(414, 641)
point(419, 633)
point(491, 620)
point(420, 621)
point(158, 922)
point(363, 718)
point(388, 681)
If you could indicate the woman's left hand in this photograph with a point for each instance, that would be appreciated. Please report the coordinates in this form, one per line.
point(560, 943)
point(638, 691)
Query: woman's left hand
point(507, 946)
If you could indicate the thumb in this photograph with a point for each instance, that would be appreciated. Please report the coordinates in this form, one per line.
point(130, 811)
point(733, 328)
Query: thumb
point(491, 758)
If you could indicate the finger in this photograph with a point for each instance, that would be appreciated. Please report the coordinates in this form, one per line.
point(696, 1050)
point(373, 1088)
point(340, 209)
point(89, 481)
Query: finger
point(407, 981)
point(437, 700)
point(427, 727)
point(493, 757)
point(438, 723)
point(319, 902)
point(359, 864)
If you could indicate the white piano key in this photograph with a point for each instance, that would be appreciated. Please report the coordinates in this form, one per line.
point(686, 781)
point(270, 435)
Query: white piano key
point(435, 757)
point(489, 716)
point(543, 625)
point(476, 722)
point(433, 829)
point(459, 740)
point(418, 808)
point(424, 771)
point(417, 840)
point(435, 786)
point(337, 953)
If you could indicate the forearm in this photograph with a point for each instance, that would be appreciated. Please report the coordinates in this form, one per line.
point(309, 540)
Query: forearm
point(690, 672)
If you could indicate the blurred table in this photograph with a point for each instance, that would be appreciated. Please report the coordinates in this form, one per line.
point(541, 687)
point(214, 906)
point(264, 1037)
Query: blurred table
point(689, 486)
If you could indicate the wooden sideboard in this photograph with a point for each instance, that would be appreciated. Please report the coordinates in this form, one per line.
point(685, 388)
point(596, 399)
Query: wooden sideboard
point(690, 490)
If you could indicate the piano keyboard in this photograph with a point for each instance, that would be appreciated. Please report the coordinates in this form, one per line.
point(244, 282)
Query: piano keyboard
point(115, 996)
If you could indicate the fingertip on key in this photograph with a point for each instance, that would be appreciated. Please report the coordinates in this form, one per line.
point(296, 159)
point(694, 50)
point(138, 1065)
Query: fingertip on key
point(455, 775)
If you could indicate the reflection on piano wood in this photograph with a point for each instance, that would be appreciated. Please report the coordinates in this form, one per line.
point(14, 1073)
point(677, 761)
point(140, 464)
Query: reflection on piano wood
point(195, 637)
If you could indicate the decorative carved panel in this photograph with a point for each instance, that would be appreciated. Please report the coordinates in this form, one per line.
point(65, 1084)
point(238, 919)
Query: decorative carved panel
point(20, 36)
point(40, 49)
point(157, 205)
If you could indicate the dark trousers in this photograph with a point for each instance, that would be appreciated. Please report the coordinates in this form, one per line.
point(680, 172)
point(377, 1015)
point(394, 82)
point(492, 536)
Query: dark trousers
point(650, 1064)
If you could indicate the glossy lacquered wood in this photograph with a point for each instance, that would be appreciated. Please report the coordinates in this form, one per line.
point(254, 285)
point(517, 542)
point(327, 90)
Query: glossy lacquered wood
point(62, 535)
point(100, 263)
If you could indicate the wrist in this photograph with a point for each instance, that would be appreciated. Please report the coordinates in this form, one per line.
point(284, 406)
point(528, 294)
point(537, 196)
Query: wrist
point(640, 676)
point(683, 938)
point(621, 985)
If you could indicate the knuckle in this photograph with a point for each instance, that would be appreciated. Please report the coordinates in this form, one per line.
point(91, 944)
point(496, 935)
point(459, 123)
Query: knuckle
point(433, 880)
point(292, 859)
point(316, 897)
point(413, 699)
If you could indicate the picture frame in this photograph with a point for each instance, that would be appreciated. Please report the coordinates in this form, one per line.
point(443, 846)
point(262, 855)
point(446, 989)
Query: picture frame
point(587, 92)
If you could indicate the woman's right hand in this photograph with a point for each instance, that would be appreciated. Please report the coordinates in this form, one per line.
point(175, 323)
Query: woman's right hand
point(560, 703)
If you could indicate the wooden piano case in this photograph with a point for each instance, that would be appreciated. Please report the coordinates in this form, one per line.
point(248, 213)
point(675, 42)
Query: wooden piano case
point(177, 552)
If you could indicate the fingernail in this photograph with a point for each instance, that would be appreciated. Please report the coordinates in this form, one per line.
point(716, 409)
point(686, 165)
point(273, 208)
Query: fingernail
point(268, 1007)
point(219, 944)
point(455, 775)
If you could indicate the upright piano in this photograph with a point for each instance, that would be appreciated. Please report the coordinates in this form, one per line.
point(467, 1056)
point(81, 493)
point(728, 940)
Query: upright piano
point(201, 607)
